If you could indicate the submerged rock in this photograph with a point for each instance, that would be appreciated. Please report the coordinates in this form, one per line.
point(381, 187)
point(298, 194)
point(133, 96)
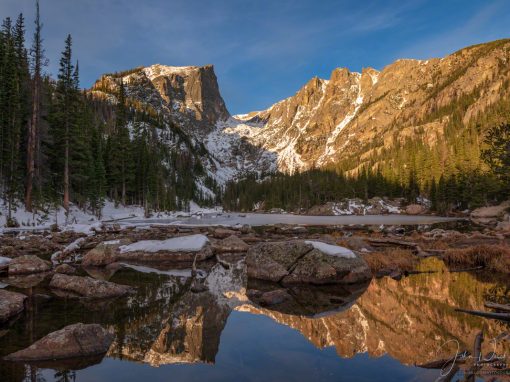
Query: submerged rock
point(11, 304)
point(77, 340)
point(27, 280)
point(28, 264)
point(88, 287)
point(306, 262)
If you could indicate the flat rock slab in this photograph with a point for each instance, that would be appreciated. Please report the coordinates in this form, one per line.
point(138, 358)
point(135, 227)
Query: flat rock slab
point(27, 264)
point(306, 262)
point(88, 287)
point(176, 249)
point(77, 340)
point(11, 304)
point(230, 244)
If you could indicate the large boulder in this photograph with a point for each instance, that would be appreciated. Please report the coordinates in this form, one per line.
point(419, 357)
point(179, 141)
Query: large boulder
point(176, 249)
point(88, 287)
point(77, 340)
point(103, 254)
point(27, 264)
point(272, 261)
point(230, 244)
point(11, 304)
point(306, 262)
point(415, 209)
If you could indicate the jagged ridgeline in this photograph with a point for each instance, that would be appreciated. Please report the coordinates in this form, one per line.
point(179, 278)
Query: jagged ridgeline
point(419, 125)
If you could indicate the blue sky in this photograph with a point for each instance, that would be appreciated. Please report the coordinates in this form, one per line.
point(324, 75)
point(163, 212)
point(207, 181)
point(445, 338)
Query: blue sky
point(262, 50)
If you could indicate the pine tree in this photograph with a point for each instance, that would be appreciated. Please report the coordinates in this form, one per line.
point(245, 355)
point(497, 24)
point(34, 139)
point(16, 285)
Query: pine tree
point(33, 140)
point(63, 120)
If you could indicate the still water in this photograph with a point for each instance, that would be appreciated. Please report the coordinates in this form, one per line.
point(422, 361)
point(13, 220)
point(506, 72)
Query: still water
point(216, 330)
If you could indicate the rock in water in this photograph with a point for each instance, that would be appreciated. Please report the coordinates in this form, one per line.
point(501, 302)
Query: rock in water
point(271, 261)
point(28, 264)
point(299, 262)
point(88, 287)
point(230, 244)
point(103, 254)
point(11, 304)
point(77, 340)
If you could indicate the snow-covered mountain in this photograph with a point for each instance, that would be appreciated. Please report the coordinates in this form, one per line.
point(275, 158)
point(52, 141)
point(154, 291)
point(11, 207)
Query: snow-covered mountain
point(351, 118)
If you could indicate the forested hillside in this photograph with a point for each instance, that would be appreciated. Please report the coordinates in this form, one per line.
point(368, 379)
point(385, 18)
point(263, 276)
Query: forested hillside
point(61, 145)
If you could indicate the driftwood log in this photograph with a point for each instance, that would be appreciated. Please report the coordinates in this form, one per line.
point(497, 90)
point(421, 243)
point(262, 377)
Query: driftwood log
point(400, 243)
point(493, 305)
point(495, 316)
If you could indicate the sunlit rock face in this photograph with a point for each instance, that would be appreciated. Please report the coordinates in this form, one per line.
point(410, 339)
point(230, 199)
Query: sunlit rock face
point(350, 118)
point(355, 115)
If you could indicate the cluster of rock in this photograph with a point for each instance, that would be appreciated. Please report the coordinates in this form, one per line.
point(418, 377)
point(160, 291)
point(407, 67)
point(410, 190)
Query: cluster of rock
point(288, 263)
point(373, 206)
point(497, 217)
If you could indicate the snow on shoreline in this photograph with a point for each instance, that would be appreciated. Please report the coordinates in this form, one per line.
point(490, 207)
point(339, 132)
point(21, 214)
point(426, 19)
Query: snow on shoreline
point(85, 222)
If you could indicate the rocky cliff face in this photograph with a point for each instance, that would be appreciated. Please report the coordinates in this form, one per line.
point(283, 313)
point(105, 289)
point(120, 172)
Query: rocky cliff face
point(351, 119)
point(189, 94)
point(356, 115)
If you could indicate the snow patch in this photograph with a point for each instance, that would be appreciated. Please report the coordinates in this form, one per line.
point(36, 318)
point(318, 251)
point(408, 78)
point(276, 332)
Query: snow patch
point(192, 243)
point(5, 260)
point(332, 250)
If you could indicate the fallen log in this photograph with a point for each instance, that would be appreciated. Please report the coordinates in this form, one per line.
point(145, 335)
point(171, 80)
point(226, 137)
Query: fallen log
point(493, 305)
point(392, 242)
point(467, 269)
point(400, 243)
point(495, 316)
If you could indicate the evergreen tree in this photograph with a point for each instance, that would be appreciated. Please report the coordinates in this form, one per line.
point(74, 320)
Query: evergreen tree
point(33, 139)
point(63, 122)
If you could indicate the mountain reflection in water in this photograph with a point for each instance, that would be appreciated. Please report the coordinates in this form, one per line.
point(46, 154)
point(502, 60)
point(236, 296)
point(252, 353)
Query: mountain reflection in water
point(209, 329)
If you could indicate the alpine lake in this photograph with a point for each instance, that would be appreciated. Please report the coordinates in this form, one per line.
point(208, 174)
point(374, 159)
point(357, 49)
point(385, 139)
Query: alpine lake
point(170, 331)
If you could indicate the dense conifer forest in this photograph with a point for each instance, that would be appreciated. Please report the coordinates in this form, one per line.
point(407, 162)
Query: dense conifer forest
point(61, 145)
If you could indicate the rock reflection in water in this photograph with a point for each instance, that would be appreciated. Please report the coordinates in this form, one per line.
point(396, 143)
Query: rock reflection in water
point(175, 320)
point(304, 300)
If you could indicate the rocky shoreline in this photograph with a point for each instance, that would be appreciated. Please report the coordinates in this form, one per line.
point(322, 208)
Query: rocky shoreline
point(278, 261)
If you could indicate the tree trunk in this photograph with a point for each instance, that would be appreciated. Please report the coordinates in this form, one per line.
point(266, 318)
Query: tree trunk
point(31, 146)
point(66, 171)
